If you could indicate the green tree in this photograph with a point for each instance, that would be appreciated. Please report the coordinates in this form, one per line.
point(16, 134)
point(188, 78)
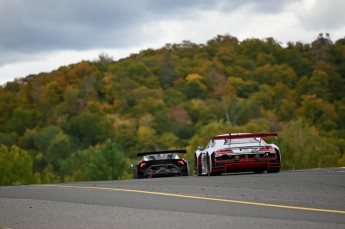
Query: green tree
point(302, 147)
point(318, 112)
point(43, 138)
point(73, 168)
point(284, 102)
point(166, 72)
point(48, 175)
point(107, 162)
point(238, 111)
point(52, 95)
point(8, 102)
point(244, 88)
point(195, 87)
point(15, 166)
point(168, 140)
point(317, 85)
point(59, 148)
point(22, 119)
point(90, 128)
point(146, 139)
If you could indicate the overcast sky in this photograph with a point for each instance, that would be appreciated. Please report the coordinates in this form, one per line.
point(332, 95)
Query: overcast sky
point(42, 35)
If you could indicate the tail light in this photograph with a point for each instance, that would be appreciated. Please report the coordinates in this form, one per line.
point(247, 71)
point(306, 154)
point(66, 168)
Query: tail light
point(181, 162)
point(223, 151)
point(266, 149)
point(142, 164)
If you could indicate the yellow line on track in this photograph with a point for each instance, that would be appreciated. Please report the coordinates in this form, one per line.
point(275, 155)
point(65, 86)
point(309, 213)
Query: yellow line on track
point(201, 198)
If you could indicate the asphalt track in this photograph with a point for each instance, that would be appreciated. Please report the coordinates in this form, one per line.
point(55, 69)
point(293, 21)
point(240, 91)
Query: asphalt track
point(289, 199)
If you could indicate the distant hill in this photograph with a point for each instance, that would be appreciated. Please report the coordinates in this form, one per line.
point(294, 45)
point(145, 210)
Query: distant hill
point(80, 119)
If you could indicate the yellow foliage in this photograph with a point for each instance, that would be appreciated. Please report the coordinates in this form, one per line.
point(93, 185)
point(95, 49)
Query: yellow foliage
point(196, 77)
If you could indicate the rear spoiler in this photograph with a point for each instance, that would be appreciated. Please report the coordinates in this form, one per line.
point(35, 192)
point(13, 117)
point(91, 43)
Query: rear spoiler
point(237, 136)
point(163, 152)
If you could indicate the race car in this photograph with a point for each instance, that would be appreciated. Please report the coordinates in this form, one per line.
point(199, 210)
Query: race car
point(238, 152)
point(161, 164)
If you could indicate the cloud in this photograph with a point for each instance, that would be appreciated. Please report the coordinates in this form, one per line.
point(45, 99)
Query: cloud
point(33, 33)
point(323, 15)
point(49, 25)
point(41, 25)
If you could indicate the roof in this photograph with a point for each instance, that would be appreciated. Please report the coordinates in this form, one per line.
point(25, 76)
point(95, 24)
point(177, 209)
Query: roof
point(163, 152)
point(244, 135)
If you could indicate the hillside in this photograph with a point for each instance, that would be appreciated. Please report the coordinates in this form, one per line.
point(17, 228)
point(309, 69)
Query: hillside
point(88, 120)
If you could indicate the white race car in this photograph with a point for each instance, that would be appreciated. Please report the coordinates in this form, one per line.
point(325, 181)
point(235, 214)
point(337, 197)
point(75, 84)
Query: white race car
point(238, 152)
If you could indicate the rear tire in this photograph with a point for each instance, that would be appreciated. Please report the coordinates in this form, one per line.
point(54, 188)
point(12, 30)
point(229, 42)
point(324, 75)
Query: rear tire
point(273, 170)
point(209, 170)
point(208, 165)
point(135, 175)
point(196, 167)
point(257, 171)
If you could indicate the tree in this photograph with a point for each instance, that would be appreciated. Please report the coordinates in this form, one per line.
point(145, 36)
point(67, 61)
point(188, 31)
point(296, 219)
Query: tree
point(195, 87)
point(22, 119)
point(318, 112)
point(106, 162)
point(146, 100)
point(88, 87)
point(8, 102)
point(302, 147)
point(73, 168)
point(52, 94)
point(90, 128)
point(231, 109)
point(321, 48)
point(59, 148)
point(167, 141)
point(317, 84)
point(146, 139)
point(244, 88)
point(273, 74)
point(166, 72)
point(43, 138)
point(284, 102)
point(49, 176)
point(298, 56)
point(15, 166)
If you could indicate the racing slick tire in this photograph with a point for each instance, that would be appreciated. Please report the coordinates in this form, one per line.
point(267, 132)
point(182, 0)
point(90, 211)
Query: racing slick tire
point(273, 170)
point(196, 167)
point(208, 165)
point(135, 175)
point(208, 168)
point(257, 171)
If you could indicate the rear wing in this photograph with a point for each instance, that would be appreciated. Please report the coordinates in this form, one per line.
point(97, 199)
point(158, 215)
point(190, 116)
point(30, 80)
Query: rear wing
point(163, 152)
point(237, 136)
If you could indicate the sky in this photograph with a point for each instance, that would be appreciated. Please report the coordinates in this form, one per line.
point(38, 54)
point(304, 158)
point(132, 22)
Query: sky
point(42, 35)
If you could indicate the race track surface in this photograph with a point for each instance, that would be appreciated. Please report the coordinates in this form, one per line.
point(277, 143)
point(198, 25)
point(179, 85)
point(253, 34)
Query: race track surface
point(289, 199)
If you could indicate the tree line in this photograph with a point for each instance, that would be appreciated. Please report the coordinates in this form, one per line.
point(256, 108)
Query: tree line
point(87, 121)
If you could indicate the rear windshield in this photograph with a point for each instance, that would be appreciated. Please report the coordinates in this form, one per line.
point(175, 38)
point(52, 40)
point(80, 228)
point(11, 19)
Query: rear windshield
point(220, 143)
point(242, 141)
point(152, 157)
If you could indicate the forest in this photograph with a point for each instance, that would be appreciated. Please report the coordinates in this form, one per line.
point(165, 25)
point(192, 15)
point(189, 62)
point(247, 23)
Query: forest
point(87, 121)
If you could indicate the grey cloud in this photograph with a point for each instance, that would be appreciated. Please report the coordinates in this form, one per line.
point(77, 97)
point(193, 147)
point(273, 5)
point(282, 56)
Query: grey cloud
point(259, 6)
point(324, 16)
point(46, 25)
point(171, 7)
point(64, 24)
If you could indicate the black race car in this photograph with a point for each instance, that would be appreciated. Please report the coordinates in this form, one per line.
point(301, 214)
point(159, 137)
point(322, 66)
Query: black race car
point(161, 164)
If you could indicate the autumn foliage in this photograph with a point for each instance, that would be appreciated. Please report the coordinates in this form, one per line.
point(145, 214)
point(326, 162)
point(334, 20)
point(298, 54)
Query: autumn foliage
point(87, 121)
